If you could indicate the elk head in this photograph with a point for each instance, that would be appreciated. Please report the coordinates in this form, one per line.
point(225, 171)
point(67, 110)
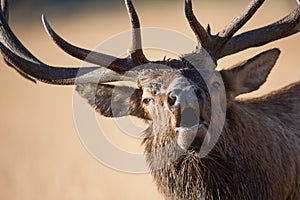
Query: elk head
point(175, 96)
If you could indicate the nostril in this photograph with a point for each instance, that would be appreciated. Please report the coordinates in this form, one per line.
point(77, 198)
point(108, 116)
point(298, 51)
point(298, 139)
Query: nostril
point(146, 101)
point(171, 100)
point(189, 117)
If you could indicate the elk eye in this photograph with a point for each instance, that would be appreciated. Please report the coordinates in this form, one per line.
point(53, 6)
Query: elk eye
point(171, 100)
point(146, 101)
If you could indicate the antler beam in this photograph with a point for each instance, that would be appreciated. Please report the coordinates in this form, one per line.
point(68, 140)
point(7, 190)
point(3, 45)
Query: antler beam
point(20, 58)
point(225, 43)
point(285, 27)
point(116, 64)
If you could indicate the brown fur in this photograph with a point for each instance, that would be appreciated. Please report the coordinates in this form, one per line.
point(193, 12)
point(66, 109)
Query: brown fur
point(256, 157)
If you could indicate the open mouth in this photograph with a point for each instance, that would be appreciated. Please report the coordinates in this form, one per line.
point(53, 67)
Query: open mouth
point(191, 119)
point(192, 129)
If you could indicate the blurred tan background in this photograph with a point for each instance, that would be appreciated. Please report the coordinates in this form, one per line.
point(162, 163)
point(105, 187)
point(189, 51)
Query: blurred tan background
point(41, 156)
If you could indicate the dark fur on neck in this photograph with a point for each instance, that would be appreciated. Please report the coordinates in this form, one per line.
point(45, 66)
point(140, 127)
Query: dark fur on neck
point(255, 157)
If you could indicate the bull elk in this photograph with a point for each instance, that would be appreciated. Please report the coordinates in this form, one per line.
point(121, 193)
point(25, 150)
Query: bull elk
point(257, 155)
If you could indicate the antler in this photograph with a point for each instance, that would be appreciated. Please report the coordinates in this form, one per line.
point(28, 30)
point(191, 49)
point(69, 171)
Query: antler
point(204, 38)
point(137, 54)
point(225, 43)
point(116, 64)
point(4, 8)
point(20, 58)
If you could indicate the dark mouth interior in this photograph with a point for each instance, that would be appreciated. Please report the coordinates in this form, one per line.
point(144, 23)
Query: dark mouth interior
point(189, 117)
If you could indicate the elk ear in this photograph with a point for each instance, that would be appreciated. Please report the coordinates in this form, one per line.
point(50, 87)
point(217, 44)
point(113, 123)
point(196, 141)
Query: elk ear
point(249, 75)
point(112, 100)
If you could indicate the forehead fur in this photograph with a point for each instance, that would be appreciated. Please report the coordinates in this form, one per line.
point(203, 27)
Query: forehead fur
point(156, 79)
point(159, 75)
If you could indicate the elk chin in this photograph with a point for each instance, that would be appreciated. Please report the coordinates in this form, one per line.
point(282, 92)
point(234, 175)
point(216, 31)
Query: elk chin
point(191, 138)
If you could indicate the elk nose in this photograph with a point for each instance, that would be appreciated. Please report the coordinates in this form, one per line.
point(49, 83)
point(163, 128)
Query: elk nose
point(189, 117)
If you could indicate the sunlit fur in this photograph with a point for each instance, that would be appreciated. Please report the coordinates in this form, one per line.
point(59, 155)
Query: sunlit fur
point(256, 156)
point(257, 153)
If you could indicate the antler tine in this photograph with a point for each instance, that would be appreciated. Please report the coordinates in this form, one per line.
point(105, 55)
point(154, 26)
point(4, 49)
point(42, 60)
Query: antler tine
point(225, 43)
point(4, 8)
point(60, 75)
point(239, 21)
point(8, 38)
point(116, 64)
point(286, 26)
point(203, 37)
point(18, 57)
point(215, 44)
point(41, 71)
point(137, 53)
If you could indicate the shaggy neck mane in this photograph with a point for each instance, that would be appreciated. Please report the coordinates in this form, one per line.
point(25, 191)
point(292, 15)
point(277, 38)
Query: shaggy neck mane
point(240, 158)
